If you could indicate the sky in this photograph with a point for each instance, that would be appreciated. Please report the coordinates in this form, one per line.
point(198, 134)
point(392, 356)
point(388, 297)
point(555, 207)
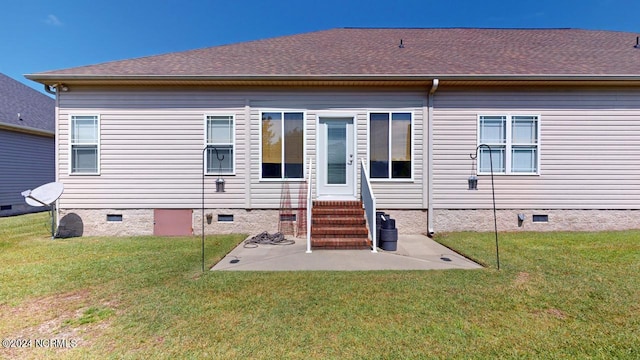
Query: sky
point(41, 35)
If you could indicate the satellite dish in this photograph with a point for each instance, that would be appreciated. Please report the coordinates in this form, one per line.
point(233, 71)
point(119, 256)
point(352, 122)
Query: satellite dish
point(43, 195)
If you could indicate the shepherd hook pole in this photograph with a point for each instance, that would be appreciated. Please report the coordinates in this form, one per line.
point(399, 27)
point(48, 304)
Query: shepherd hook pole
point(493, 194)
point(202, 214)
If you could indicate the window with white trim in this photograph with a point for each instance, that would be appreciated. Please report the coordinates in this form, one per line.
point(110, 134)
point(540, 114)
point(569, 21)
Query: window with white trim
point(84, 144)
point(514, 142)
point(220, 143)
point(390, 145)
point(282, 145)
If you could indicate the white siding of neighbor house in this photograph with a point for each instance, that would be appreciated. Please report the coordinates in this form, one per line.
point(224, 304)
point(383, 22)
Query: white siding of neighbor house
point(152, 140)
point(589, 148)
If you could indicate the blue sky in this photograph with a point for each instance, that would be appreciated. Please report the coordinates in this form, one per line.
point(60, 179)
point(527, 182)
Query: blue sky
point(41, 35)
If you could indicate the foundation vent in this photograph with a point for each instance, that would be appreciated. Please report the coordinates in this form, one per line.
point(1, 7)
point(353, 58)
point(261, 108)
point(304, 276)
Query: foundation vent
point(540, 218)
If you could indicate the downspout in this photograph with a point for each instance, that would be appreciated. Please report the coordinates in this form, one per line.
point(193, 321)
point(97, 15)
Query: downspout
point(434, 88)
point(53, 90)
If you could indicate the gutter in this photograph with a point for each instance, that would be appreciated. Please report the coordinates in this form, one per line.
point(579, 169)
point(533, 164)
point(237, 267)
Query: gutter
point(432, 91)
point(52, 78)
point(26, 129)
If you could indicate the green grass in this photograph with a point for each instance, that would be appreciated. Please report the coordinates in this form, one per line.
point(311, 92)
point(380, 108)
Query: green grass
point(557, 295)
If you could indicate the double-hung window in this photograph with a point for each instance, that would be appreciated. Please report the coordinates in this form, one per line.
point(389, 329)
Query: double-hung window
point(282, 145)
point(514, 142)
point(84, 144)
point(220, 143)
point(390, 145)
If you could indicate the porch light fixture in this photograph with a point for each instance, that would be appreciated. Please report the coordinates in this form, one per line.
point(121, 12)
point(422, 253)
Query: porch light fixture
point(473, 185)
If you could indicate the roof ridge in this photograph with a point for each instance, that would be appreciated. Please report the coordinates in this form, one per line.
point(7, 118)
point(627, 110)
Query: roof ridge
point(470, 28)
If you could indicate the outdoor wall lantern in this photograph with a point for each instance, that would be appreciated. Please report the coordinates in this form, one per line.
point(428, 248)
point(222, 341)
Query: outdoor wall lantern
point(473, 185)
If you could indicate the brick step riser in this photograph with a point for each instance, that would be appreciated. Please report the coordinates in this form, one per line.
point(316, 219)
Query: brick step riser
point(321, 234)
point(339, 229)
point(341, 247)
point(341, 244)
point(337, 204)
point(345, 205)
point(338, 213)
point(341, 241)
point(339, 236)
point(337, 208)
point(338, 222)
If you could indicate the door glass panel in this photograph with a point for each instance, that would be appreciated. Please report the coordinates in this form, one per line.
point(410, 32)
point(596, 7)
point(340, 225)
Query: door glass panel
point(336, 153)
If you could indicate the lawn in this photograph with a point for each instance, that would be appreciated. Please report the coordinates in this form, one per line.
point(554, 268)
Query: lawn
point(557, 295)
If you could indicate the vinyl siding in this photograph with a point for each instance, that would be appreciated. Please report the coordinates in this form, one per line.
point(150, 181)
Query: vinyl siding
point(151, 144)
point(589, 149)
point(26, 162)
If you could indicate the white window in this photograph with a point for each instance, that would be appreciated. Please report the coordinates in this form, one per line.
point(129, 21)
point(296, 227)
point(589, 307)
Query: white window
point(85, 144)
point(282, 145)
point(514, 142)
point(220, 143)
point(390, 145)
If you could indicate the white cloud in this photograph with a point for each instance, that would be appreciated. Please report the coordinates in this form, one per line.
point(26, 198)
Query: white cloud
point(53, 20)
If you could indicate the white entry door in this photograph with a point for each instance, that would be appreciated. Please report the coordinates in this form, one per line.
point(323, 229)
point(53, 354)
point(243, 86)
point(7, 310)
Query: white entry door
point(336, 158)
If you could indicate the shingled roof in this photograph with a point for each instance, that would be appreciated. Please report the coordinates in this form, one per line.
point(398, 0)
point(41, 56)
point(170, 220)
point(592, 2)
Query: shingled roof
point(379, 53)
point(24, 108)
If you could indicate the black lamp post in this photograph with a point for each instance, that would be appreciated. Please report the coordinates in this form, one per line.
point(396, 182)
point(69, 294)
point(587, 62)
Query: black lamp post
point(473, 185)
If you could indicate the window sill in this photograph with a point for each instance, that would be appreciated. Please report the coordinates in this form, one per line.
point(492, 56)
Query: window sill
point(281, 180)
point(379, 180)
point(509, 174)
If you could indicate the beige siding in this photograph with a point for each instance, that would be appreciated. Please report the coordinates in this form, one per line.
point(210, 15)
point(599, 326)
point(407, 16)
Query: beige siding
point(152, 142)
point(589, 148)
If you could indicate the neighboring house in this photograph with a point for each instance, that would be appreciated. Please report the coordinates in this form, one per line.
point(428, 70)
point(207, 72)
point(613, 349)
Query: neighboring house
point(560, 108)
point(27, 119)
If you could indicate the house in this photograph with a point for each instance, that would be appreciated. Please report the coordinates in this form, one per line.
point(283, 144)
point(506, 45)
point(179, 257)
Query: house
point(560, 109)
point(27, 160)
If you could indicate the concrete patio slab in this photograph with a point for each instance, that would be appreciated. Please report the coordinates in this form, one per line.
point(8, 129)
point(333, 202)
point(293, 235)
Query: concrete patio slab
point(414, 252)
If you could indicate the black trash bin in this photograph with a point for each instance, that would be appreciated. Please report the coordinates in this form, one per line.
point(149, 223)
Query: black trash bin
point(380, 215)
point(388, 234)
point(389, 223)
point(389, 239)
